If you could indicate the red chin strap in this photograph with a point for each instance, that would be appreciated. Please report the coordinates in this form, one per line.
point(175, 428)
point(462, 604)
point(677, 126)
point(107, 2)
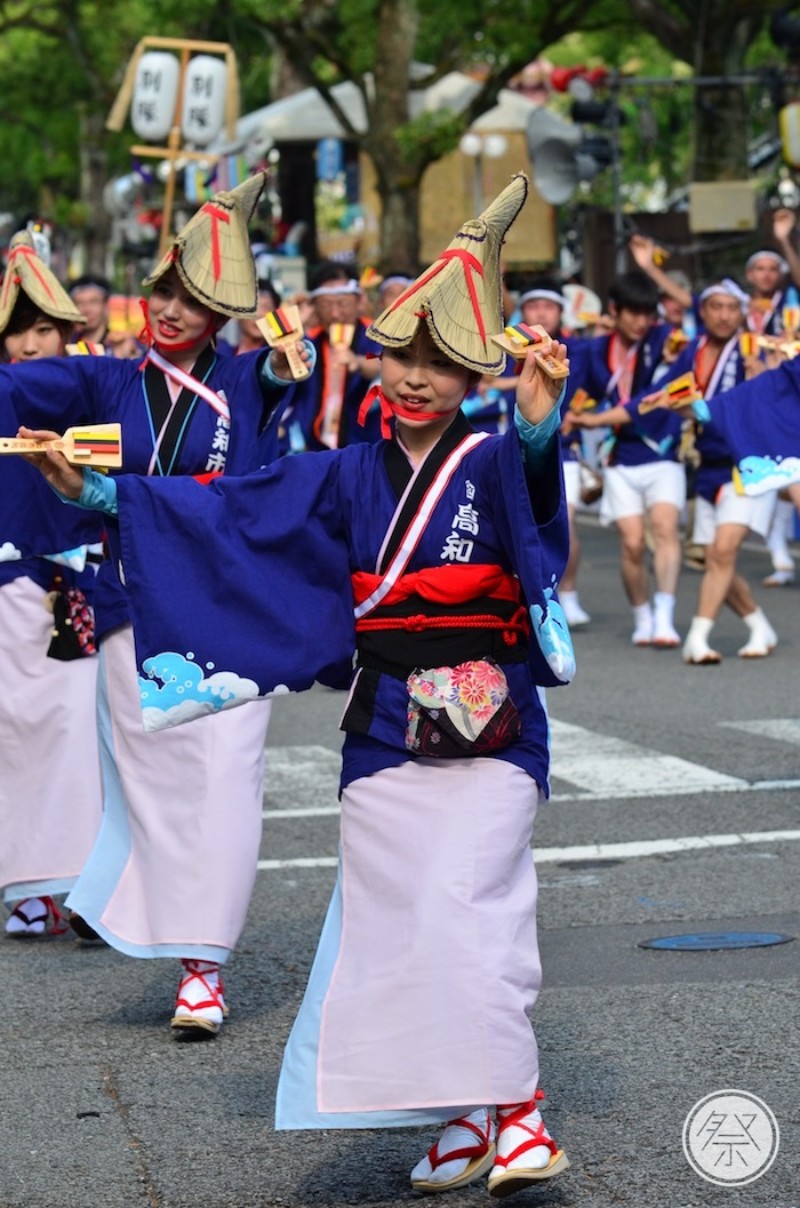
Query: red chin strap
point(389, 409)
point(148, 337)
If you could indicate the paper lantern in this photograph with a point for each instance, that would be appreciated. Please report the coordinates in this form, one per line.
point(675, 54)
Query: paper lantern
point(155, 95)
point(204, 93)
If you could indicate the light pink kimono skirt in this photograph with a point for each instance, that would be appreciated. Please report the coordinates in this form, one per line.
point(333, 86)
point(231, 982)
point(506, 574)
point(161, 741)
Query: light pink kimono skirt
point(174, 864)
point(50, 801)
point(428, 965)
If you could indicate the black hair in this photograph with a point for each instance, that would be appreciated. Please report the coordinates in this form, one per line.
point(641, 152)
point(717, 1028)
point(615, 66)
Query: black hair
point(634, 291)
point(540, 281)
point(329, 270)
point(91, 280)
point(25, 314)
point(267, 286)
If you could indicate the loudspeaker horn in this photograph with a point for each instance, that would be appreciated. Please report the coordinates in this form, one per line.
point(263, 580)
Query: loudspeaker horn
point(555, 172)
point(544, 125)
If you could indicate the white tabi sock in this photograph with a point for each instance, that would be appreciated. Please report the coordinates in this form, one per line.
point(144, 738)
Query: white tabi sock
point(454, 1137)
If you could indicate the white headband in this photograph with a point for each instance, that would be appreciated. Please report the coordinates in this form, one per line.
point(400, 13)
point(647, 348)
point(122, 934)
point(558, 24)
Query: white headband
point(394, 281)
point(727, 287)
point(767, 255)
point(548, 295)
point(332, 291)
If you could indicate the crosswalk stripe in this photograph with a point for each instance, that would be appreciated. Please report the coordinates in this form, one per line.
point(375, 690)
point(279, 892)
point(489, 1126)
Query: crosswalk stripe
point(612, 768)
point(593, 851)
point(589, 766)
point(781, 729)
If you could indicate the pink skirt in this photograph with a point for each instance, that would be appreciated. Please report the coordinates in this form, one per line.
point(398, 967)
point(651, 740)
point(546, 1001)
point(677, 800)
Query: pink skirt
point(430, 950)
point(50, 800)
point(173, 868)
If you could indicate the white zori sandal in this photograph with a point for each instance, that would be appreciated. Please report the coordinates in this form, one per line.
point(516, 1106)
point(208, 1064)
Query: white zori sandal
point(526, 1153)
point(463, 1153)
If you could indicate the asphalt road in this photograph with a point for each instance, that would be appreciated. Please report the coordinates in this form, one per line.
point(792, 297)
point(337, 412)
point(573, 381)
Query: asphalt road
point(676, 809)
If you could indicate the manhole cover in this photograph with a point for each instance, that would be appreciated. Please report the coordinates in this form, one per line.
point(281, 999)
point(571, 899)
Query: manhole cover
point(712, 941)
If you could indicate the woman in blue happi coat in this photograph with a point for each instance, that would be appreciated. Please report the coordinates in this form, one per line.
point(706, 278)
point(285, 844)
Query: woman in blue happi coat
point(174, 864)
point(434, 556)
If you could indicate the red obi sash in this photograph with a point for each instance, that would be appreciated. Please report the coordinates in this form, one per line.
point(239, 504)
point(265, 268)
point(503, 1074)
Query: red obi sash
point(443, 585)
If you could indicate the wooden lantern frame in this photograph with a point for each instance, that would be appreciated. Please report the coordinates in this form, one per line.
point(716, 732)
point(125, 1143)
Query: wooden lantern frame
point(173, 151)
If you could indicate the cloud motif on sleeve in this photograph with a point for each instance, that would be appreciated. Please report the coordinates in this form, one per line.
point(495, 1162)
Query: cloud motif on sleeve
point(762, 474)
point(9, 552)
point(75, 558)
point(176, 689)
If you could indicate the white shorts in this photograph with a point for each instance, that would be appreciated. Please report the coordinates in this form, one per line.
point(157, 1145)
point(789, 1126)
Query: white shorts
point(572, 483)
point(754, 512)
point(632, 490)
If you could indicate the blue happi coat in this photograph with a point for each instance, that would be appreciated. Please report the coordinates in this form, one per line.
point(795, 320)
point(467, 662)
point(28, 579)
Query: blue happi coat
point(664, 426)
point(243, 587)
point(194, 439)
point(760, 423)
point(40, 539)
point(590, 370)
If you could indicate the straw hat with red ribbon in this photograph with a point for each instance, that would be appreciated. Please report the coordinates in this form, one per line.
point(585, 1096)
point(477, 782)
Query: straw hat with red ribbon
point(28, 274)
point(212, 255)
point(459, 295)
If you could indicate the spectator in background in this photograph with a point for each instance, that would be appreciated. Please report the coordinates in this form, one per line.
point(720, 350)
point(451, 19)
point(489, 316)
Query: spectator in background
point(393, 285)
point(325, 407)
point(676, 301)
point(642, 477)
point(773, 278)
point(90, 293)
point(542, 304)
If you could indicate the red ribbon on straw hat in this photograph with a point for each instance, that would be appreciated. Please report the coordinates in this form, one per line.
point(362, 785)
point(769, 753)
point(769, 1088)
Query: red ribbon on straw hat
point(23, 250)
point(468, 261)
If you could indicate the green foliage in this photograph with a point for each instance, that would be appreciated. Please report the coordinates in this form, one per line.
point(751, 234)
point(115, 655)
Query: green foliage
point(429, 136)
point(62, 62)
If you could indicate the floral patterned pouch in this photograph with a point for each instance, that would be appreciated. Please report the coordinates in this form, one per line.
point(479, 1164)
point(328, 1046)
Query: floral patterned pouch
point(460, 711)
point(72, 635)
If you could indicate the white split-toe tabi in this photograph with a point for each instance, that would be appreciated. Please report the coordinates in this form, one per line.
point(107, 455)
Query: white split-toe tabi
point(463, 1153)
point(200, 1005)
point(526, 1153)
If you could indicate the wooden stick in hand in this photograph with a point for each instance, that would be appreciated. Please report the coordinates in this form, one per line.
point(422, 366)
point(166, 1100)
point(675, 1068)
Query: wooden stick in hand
point(282, 328)
point(96, 445)
point(517, 340)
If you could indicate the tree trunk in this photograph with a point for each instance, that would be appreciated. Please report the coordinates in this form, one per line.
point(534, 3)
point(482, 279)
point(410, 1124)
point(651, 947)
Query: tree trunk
point(721, 123)
point(398, 179)
point(93, 178)
point(721, 113)
point(399, 238)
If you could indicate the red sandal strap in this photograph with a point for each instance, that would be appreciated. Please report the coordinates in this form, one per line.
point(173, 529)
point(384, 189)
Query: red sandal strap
point(536, 1136)
point(466, 1151)
point(60, 924)
point(214, 992)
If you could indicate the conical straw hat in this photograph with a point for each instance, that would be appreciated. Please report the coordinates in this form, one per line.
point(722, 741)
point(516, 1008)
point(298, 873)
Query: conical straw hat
point(27, 273)
point(212, 253)
point(459, 296)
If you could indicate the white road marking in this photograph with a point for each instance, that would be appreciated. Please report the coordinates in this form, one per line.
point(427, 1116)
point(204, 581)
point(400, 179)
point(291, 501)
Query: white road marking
point(781, 729)
point(595, 851)
point(598, 767)
point(306, 778)
point(612, 768)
